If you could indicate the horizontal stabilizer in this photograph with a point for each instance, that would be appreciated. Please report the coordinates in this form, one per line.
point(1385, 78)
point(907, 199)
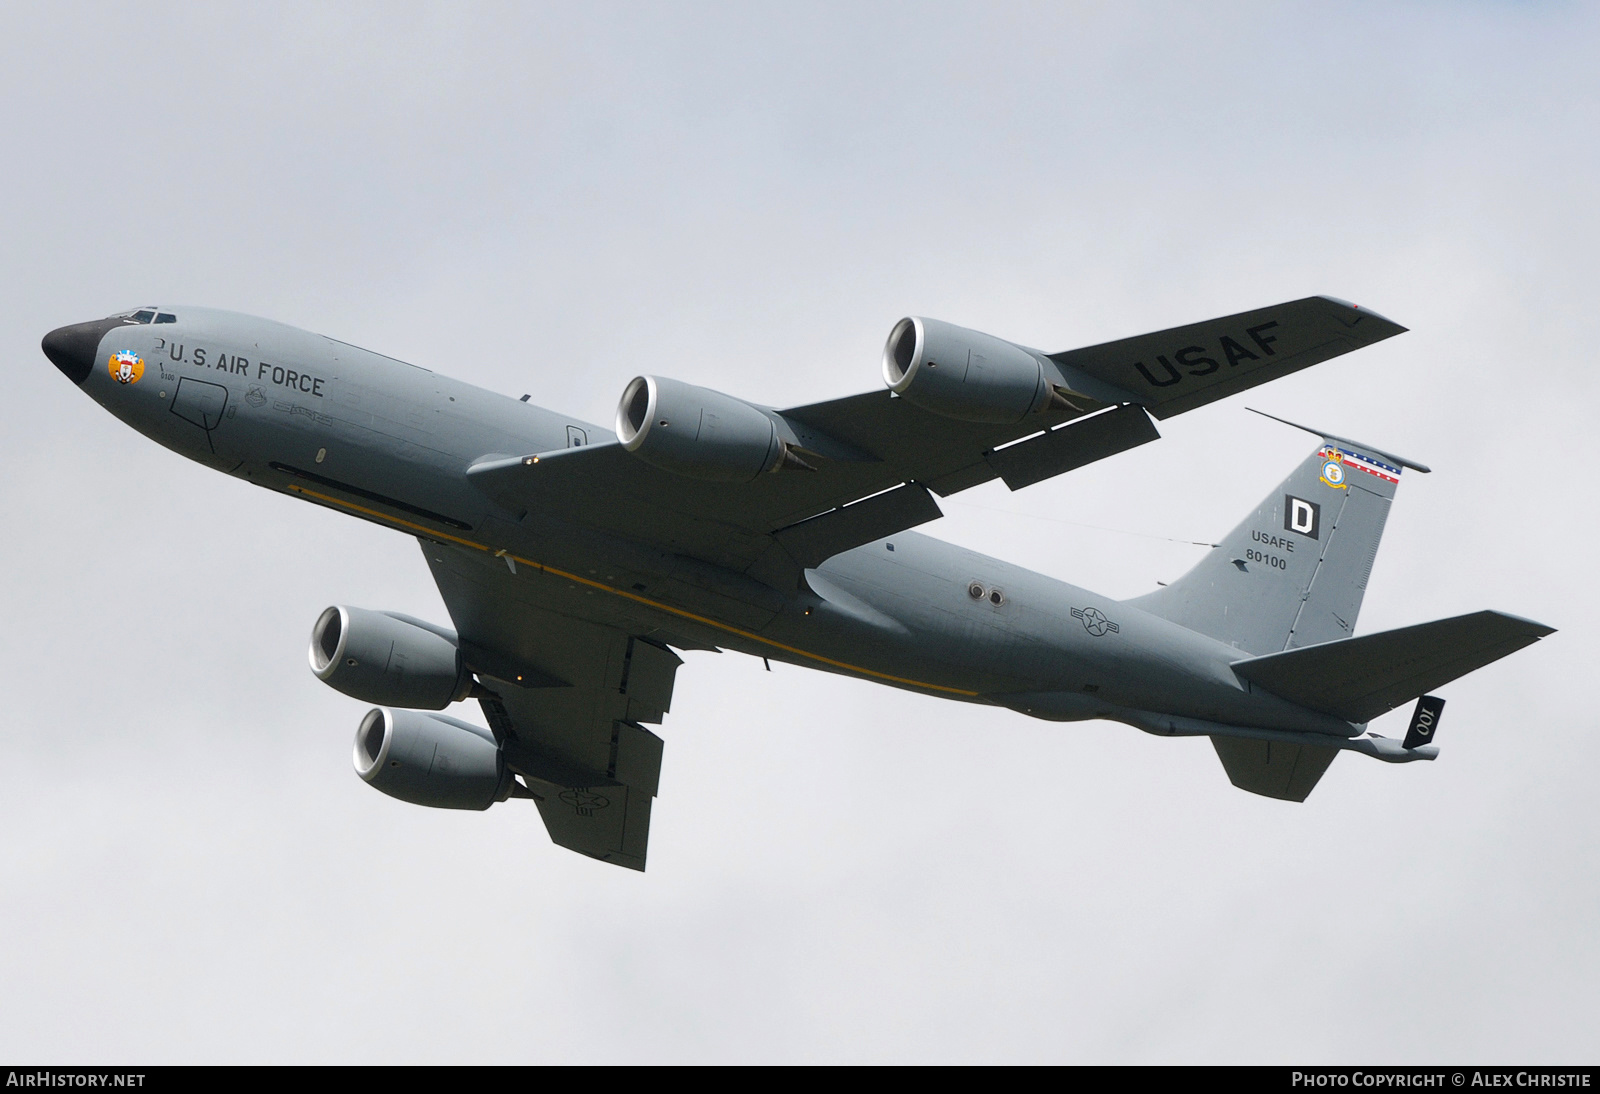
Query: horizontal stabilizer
point(1273, 769)
point(1358, 679)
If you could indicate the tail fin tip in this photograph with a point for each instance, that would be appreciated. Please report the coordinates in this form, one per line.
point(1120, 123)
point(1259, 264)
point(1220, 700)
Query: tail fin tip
point(1325, 435)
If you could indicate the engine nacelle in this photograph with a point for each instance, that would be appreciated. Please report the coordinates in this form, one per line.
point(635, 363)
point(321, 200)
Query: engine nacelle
point(695, 431)
point(964, 374)
point(380, 659)
point(428, 759)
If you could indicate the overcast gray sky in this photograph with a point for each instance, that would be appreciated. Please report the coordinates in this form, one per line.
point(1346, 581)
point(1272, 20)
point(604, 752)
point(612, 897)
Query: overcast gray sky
point(552, 199)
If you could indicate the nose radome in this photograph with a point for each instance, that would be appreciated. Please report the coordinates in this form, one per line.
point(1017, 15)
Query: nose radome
point(73, 349)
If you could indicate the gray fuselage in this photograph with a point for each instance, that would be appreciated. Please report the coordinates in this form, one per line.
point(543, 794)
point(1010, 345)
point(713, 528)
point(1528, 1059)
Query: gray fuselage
point(369, 435)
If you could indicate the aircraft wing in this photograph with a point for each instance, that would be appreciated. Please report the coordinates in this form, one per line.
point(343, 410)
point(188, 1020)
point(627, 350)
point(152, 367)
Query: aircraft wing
point(1174, 370)
point(570, 699)
point(876, 443)
point(877, 456)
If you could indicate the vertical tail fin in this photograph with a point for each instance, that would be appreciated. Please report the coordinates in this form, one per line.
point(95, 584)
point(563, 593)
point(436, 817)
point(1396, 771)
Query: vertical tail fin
point(1295, 571)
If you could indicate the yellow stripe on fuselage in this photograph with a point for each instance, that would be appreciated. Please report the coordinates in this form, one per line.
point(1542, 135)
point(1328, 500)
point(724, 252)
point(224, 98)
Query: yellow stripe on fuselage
point(377, 515)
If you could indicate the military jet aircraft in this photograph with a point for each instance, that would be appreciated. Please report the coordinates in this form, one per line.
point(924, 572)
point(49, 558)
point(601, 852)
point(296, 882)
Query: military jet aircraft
point(576, 561)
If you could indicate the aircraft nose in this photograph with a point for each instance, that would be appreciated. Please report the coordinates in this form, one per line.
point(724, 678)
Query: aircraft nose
point(72, 349)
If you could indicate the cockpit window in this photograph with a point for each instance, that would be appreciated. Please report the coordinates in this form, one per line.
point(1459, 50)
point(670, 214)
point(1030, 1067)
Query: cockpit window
point(166, 317)
point(144, 316)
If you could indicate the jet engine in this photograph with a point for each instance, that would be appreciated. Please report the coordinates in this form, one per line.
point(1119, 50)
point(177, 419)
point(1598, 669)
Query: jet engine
point(381, 658)
point(960, 373)
point(428, 759)
point(697, 432)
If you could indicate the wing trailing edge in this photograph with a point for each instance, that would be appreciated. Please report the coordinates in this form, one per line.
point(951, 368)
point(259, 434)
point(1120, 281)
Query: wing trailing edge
point(821, 537)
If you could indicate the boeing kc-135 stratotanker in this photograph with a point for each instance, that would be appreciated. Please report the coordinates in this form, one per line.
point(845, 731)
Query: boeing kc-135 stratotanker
point(575, 561)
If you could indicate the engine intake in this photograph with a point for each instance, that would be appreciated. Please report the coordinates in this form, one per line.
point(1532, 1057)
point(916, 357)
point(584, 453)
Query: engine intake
point(696, 432)
point(428, 759)
point(963, 374)
point(380, 658)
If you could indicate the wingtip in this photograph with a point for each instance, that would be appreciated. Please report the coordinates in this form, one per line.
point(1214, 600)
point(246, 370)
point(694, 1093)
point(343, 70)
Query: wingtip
point(1366, 313)
point(1534, 627)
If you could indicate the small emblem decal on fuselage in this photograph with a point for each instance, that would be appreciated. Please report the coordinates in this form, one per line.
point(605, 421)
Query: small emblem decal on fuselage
point(126, 367)
point(1094, 621)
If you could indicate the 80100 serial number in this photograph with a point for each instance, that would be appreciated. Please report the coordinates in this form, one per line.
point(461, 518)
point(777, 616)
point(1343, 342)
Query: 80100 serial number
point(1265, 559)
